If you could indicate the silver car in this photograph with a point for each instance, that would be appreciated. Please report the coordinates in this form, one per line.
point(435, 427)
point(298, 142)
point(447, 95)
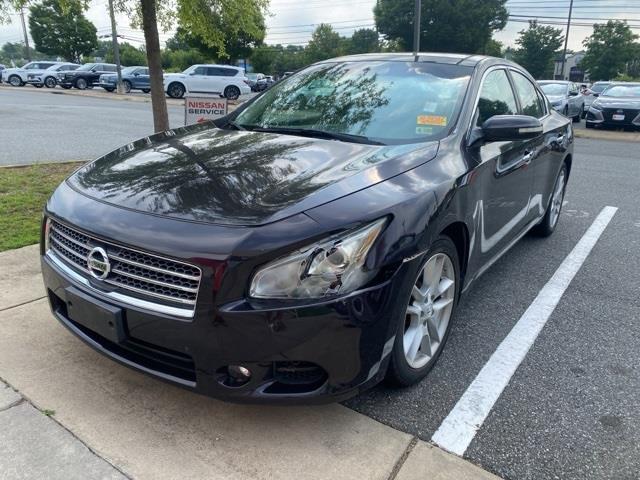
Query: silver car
point(594, 92)
point(564, 98)
point(49, 78)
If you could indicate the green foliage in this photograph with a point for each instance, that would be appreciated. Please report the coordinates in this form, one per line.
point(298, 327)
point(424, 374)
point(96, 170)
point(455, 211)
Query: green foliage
point(493, 48)
point(609, 49)
point(62, 29)
point(325, 43)
point(179, 60)
point(537, 47)
point(364, 40)
point(130, 56)
point(461, 26)
point(277, 59)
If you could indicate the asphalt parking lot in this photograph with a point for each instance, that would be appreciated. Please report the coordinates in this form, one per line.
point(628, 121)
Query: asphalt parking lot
point(571, 410)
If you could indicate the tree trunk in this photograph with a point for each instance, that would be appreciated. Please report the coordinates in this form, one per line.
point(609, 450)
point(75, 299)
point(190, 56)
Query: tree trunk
point(158, 99)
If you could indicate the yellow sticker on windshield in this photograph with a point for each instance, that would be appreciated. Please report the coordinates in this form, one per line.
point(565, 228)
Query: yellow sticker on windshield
point(436, 120)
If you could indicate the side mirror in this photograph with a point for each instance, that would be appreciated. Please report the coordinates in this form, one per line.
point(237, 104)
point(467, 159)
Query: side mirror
point(573, 93)
point(505, 128)
point(596, 94)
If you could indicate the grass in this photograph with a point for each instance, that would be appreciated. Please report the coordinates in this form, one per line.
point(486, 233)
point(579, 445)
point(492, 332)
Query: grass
point(23, 194)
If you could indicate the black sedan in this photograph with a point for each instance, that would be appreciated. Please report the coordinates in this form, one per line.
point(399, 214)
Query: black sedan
point(617, 106)
point(85, 76)
point(316, 240)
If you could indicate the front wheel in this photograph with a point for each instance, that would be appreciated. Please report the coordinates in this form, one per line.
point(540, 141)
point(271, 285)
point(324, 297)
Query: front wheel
point(549, 222)
point(430, 302)
point(50, 82)
point(81, 84)
point(126, 86)
point(146, 90)
point(231, 92)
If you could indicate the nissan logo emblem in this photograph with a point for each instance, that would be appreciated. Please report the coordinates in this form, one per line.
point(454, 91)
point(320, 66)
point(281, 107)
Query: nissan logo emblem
point(98, 263)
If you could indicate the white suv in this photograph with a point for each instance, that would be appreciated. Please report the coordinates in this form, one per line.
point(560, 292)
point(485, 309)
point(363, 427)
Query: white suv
point(225, 80)
point(17, 77)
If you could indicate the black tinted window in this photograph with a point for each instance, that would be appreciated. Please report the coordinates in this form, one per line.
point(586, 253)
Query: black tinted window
point(108, 68)
point(200, 71)
point(529, 99)
point(496, 97)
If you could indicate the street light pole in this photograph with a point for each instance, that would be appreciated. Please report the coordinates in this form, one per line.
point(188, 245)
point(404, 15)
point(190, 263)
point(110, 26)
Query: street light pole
point(566, 40)
point(416, 28)
point(26, 35)
point(116, 49)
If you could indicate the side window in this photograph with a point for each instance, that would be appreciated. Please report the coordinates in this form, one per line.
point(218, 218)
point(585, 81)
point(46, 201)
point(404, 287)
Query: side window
point(496, 97)
point(229, 72)
point(200, 71)
point(109, 68)
point(213, 72)
point(143, 71)
point(529, 99)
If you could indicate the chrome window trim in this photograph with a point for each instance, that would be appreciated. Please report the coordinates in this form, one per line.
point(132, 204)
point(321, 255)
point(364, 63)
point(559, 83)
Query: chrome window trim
point(118, 297)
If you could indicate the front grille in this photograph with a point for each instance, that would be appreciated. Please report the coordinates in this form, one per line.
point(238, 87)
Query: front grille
point(133, 273)
point(629, 115)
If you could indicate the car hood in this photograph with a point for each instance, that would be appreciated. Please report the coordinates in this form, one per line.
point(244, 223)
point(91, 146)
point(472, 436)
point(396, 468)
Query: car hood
point(619, 102)
point(556, 98)
point(205, 174)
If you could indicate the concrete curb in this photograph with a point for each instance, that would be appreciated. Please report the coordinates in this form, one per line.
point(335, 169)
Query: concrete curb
point(611, 135)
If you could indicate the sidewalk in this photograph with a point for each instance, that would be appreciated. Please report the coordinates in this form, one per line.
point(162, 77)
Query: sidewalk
point(112, 422)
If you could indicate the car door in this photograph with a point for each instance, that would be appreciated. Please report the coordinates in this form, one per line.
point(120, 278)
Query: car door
point(198, 80)
point(502, 174)
point(141, 79)
point(217, 77)
point(548, 147)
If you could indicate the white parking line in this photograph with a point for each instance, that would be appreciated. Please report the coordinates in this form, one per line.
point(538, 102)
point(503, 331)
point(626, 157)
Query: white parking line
point(459, 427)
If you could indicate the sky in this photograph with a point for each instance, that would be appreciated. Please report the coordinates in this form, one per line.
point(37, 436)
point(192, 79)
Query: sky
point(292, 21)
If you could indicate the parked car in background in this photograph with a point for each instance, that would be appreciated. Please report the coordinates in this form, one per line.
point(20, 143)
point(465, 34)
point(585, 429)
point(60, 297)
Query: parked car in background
point(257, 81)
point(225, 80)
point(85, 76)
point(17, 77)
point(2, 68)
point(49, 78)
point(269, 80)
point(592, 93)
point(316, 241)
point(133, 78)
point(617, 106)
point(564, 97)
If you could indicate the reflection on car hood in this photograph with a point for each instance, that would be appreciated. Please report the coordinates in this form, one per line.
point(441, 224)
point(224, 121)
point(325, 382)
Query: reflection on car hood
point(201, 173)
point(619, 102)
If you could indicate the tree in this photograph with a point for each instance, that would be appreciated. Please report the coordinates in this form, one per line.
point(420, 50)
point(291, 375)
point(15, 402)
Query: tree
point(62, 30)
point(537, 47)
point(493, 48)
point(461, 26)
point(608, 50)
point(130, 56)
point(364, 40)
point(212, 21)
point(325, 43)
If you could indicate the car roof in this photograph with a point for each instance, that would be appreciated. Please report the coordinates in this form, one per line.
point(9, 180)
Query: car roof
point(625, 84)
point(426, 57)
point(216, 65)
point(565, 82)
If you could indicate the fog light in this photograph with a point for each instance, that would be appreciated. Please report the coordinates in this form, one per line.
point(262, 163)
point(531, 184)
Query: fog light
point(239, 373)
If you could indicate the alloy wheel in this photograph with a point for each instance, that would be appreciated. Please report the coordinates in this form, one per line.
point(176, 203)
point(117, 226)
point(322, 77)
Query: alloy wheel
point(50, 82)
point(429, 310)
point(15, 81)
point(81, 84)
point(556, 200)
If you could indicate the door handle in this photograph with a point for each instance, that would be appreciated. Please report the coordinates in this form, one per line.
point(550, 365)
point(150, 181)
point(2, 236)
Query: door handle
point(528, 156)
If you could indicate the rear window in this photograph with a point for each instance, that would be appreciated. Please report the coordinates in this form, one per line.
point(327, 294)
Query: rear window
point(386, 101)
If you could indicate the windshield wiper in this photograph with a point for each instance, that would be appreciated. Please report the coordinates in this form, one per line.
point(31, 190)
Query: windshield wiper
point(235, 125)
point(312, 132)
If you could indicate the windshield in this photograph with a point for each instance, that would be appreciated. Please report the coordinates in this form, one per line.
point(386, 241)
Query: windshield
point(554, 89)
point(599, 87)
point(622, 91)
point(389, 102)
point(86, 66)
point(252, 76)
point(129, 70)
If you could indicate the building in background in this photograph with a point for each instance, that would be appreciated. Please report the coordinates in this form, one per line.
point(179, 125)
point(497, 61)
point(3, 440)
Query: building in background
point(572, 70)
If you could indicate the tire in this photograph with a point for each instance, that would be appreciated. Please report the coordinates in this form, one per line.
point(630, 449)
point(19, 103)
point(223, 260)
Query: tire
point(109, 89)
point(81, 84)
point(410, 359)
point(146, 90)
point(50, 82)
point(176, 90)
point(126, 86)
point(551, 217)
point(578, 117)
point(565, 111)
point(231, 92)
point(584, 112)
point(15, 81)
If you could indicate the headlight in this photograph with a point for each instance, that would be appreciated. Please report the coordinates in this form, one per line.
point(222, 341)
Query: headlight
point(596, 106)
point(331, 267)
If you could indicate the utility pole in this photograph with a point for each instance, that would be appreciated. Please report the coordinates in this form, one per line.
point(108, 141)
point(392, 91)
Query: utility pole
point(566, 40)
point(116, 49)
point(416, 28)
point(26, 35)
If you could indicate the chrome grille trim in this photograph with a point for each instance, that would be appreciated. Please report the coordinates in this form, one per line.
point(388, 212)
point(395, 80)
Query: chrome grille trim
point(118, 297)
point(141, 273)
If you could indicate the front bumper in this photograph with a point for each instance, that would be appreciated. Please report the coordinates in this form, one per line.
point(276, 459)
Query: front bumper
point(313, 354)
point(613, 118)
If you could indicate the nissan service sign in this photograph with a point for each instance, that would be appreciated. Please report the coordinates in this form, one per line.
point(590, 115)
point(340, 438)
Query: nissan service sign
point(198, 109)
